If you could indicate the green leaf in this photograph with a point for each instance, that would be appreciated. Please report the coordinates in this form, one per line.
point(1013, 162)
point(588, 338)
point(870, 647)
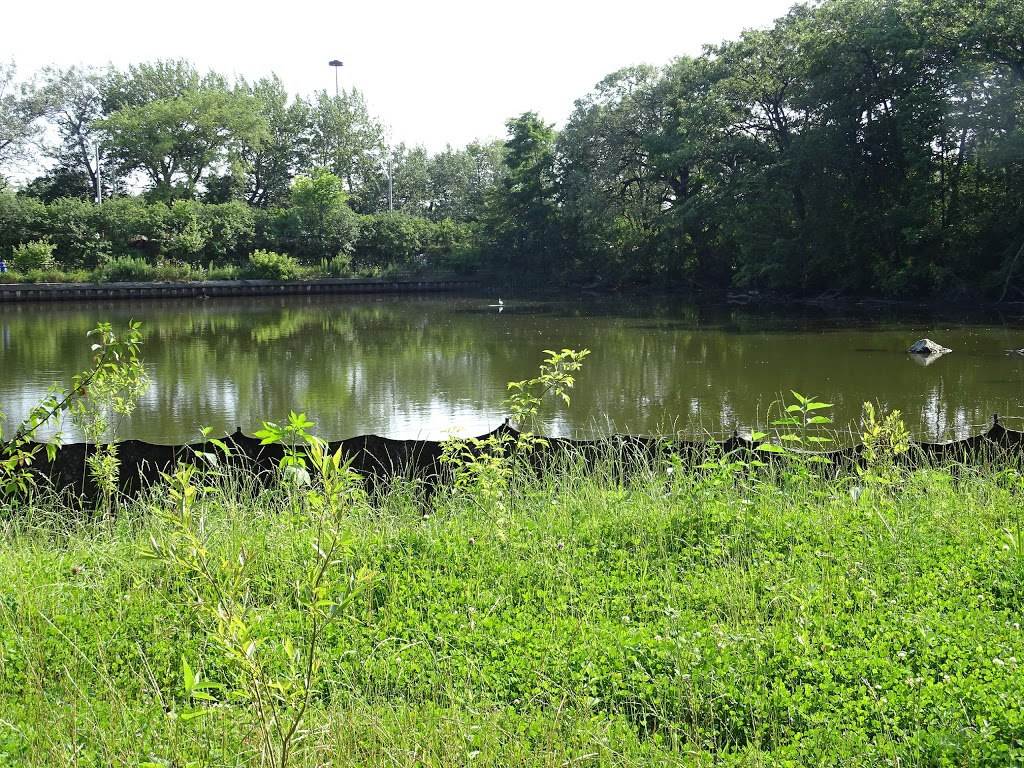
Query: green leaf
point(190, 678)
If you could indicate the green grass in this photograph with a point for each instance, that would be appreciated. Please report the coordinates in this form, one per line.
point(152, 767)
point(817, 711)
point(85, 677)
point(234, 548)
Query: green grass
point(585, 621)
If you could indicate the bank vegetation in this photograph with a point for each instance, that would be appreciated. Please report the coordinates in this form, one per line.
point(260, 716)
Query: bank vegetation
point(856, 147)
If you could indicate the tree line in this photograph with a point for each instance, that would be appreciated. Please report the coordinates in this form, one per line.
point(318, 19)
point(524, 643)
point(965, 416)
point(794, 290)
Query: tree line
point(855, 147)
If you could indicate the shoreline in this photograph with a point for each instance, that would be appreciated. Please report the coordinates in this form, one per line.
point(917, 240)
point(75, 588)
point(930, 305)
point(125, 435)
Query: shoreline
point(33, 292)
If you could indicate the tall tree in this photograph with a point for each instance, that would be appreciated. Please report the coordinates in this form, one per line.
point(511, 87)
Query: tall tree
point(614, 196)
point(522, 218)
point(79, 164)
point(267, 160)
point(22, 107)
point(460, 180)
point(174, 126)
point(347, 141)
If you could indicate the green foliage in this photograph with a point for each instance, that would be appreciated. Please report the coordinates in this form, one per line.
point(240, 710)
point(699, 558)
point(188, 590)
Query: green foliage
point(884, 442)
point(270, 672)
point(267, 265)
point(126, 269)
point(802, 423)
point(555, 379)
point(659, 621)
point(173, 125)
point(485, 466)
point(339, 266)
point(21, 220)
point(852, 147)
point(326, 225)
point(392, 239)
point(521, 218)
point(37, 254)
point(71, 225)
point(187, 236)
point(94, 401)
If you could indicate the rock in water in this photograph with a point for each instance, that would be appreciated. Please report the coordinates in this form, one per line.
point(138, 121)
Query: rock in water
point(927, 347)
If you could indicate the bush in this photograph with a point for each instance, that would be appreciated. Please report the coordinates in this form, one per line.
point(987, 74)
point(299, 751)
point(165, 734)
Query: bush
point(126, 222)
point(71, 225)
point(232, 228)
point(267, 265)
point(53, 275)
point(172, 270)
point(185, 237)
point(125, 269)
point(21, 220)
point(339, 266)
point(392, 239)
point(37, 254)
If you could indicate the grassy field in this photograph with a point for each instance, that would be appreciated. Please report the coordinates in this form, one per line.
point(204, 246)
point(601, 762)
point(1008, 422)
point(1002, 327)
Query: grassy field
point(570, 621)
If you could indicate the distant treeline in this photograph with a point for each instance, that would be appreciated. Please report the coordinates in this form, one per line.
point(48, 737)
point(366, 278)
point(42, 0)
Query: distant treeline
point(856, 147)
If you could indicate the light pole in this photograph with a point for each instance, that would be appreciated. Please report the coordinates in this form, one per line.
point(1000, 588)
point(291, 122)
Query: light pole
point(335, 63)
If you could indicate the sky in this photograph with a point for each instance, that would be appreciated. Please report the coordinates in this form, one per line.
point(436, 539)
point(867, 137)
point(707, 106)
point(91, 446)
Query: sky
point(437, 72)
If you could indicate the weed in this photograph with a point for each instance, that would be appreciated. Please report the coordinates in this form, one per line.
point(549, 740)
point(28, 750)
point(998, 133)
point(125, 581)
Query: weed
point(274, 673)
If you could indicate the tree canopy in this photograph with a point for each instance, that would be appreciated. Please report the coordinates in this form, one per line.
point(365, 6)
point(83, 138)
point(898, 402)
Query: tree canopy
point(856, 146)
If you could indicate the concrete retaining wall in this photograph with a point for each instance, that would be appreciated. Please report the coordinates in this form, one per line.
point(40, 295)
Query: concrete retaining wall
point(215, 288)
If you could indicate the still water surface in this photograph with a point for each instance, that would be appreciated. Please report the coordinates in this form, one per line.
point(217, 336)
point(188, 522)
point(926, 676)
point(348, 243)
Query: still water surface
point(417, 367)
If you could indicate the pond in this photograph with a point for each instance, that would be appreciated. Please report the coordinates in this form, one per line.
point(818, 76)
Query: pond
point(418, 367)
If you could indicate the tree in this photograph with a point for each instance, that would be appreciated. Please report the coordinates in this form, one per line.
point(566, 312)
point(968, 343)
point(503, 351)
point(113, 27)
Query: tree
point(406, 190)
point(22, 106)
point(522, 219)
point(346, 141)
point(267, 161)
point(77, 95)
point(175, 127)
point(325, 225)
point(614, 196)
point(979, 44)
point(460, 180)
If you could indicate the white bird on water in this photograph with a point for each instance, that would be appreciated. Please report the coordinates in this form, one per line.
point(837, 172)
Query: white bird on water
point(500, 305)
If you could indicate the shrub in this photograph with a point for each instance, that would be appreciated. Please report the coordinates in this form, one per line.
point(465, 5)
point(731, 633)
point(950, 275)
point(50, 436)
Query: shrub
point(125, 269)
point(21, 220)
point(72, 227)
point(171, 269)
point(339, 266)
point(186, 237)
point(392, 239)
point(267, 265)
point(128, 221)
point(37, 254)
point(232, 228)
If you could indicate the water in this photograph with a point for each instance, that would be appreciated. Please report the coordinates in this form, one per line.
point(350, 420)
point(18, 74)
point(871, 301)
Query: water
point(418, 367)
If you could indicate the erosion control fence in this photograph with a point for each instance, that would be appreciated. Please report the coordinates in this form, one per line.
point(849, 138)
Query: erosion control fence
point(379, 458)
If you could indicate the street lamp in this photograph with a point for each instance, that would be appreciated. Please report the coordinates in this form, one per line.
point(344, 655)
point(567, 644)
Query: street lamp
point(335, 63)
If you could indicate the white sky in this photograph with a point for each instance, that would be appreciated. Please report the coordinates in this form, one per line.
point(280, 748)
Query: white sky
point(435, 71)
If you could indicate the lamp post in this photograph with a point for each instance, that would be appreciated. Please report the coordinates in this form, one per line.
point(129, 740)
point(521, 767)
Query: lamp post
point(335, 63)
